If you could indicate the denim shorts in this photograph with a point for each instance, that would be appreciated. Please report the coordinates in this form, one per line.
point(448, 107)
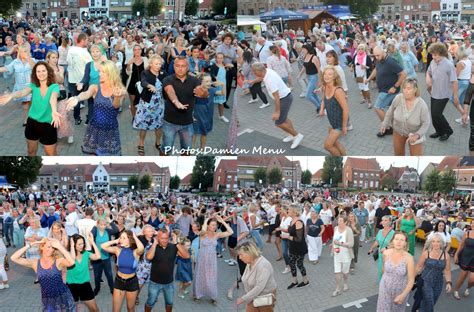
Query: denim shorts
point(185, 133)
point(384, 100)
point(154, 290)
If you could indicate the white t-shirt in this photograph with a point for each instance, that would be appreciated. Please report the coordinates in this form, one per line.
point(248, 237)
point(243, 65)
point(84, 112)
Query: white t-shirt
point(77, 58)
point(271, 214)
point(372, 216)
point(263, 52)
point(273, 83)
point(284, 225)
point(322, 55)
point(84, 226)
point(70, 225)
point(326, 216)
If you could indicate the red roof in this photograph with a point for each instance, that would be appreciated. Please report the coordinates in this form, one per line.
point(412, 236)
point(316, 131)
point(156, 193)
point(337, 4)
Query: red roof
point(317, 174)
point(187, 179)
point(205, 4)
point(228, 165)
point(363, 163)
point(83, 3)
point(133, 168)
point(266, 161)
point(449, 162)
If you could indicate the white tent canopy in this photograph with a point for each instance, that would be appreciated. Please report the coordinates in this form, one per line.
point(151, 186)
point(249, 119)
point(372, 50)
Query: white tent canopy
point(248, 20)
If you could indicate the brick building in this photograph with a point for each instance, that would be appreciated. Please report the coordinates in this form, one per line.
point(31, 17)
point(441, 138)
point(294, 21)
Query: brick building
point(185, 183)
point(361, 173)
point(316, 177)
point(225, 176)
point(247, 165)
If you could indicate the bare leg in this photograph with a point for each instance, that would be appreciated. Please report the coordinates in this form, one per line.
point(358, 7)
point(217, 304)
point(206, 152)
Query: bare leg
point(131, 299)
point(117, 300)
point(416, 150)
point(287, 126)
point(330, 142)
point(133, 108)
point(461, 279)
point(278, 246)
point(92, 305)
point(32, 147)
point(158, 133)
point(203, 141)
point(50, 150)
point(221, 110)
point(399, 142)
point(141, 137)
point(26, 108)
point(380, 113)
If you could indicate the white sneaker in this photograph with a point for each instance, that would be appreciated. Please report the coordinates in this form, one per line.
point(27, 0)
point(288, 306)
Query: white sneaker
point(253, 101)
point(350, 127)
point(287, 270)
point(264, 105)
point(70, 139)
point(459, 120)
point(227, 260)
point(232, 263)
point(302, 95)
point(224, 119)
point(288, 139)
point(1, 286)
point(297, 141)
point(6, 286)
point(466, 292)
point(82, 106)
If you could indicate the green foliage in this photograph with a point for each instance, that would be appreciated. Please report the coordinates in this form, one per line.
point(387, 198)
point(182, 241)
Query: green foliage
point(388, 182)
point(138, 6)
point(133, 181)
point(153, 8)
point(447, 182)
point(306, 177)
point(219, 5)
point(432, 182)
point(364, 8)
point(203, 172)
point(174, 182)
point(21, 171)
point(145, 182)
point(10, 8)
point(191, 7)
point(332, 170)
point(274, 176)
point(260, 174)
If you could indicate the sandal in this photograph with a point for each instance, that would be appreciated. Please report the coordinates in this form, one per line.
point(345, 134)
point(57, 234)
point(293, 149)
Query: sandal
point(141, 150)
point(369, 106)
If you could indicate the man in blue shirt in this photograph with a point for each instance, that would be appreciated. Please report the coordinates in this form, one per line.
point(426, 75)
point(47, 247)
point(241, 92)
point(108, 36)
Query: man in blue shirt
point(362, 216)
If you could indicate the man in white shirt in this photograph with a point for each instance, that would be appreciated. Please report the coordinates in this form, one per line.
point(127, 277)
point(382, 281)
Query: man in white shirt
point(262, 49)
point(71, 218)
point(281, 94)
point(84, 226)
point(321, 49)
point(77, 58)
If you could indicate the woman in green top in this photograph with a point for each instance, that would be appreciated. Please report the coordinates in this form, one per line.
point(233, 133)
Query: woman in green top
point(43, 116)
point(382, 241)
point(408, 224)
point(78, 277)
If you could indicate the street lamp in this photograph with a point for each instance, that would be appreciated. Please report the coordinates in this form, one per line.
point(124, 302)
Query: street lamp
point(18, 14)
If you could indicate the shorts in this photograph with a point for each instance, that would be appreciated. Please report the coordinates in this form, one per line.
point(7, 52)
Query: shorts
point(81, 292)
point(341, 267)
point(384, 100)
point(42, 131)
point(232, 242)
point(271, 228)
point(129, 284)
point(242, 266)
point(285, 104)
point(363, 86)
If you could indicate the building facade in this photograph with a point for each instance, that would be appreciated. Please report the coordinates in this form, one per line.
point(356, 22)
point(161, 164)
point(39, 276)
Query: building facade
point(225, 176)
point(205, 8)
point(251, 7)
point(467, 10)
point(65, 177)
point(408, 10)
point(247, 165)
point(316, 177)
point(361, 173)
point(409, 180)
point(426, 172)
point(450, 10)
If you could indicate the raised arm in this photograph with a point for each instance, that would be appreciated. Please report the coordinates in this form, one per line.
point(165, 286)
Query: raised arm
point(17, 256)
point(96, 255)
point(140, 249)
point(4, 99)
point(228, 229)
point(108, 246)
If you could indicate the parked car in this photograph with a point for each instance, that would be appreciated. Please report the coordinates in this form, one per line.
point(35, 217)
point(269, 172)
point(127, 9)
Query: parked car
point(219, 17)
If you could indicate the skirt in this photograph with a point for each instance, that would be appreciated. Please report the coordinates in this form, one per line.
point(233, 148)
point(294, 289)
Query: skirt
point(184, 270)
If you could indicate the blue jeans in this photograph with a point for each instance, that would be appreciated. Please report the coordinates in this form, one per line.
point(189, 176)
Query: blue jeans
point(312, 84)
point(258, 239)
point(462, 88)
point(100, 266)
point(284, 249)
point(18, 238)
point(73, 92)
point(8, 231)
point(219, 245)
point(185, 133)
point(154, 290)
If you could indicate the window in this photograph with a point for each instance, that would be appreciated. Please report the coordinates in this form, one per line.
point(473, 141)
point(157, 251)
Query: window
point(35, 5)
point(376, 183)
point(444, 6)
point(218, 178)
point(361, 182)
point(92, 3)
point(43, 5)
point(169, 2)
point(104, 3)
point(96, 178)
point(472, 179)
point(105, 178)
point(355, 174)
point(27, 5)
point(249, 171)
point(371, 174)
point(371, 183)
point(377, 175)
point(455, 6)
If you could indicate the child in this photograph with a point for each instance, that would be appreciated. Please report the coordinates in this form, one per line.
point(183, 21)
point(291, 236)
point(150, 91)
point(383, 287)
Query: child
point(204, 112)
point(218, 74)
point(184, 269)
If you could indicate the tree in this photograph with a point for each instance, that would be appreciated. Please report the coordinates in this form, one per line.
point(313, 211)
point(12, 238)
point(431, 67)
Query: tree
point(138, 6)
point(203, 172)
point(332, 170)
point(432, 182)
point(274, 176)
point(306, 177)
point(191, 7)
point(145, 182)
point(153, 8)
point(174, 182)
point(388, 182)
point(447, 182)
point(133, 181)
point(21, 171)
point(260, 174)
point(364, 8)
point(218, 7)
point(10, 8)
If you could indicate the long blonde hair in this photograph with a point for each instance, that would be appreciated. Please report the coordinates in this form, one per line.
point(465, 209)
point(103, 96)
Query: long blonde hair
point(110, 68)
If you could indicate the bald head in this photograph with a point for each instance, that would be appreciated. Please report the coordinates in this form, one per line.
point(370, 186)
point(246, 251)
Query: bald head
point(379, 53)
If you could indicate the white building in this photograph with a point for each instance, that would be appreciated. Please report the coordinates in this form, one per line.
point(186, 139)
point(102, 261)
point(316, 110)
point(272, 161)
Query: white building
point(100, 178)
point(451, 10)
point(99, 8)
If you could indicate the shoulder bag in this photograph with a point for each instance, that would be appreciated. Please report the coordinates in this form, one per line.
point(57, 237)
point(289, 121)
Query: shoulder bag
point(263, 300)
point(375, 253)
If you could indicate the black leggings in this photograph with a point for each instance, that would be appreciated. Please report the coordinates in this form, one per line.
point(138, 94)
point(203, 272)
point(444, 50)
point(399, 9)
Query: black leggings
point(255, 89)
point(297, 261)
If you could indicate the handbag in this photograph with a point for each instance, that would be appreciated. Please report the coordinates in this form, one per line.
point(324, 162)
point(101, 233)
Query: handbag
point(375, 253)
point(263, 300)
point(360, 79)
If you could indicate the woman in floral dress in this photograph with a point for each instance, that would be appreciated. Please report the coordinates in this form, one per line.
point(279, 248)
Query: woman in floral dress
point(206, 264)
point(151, 108)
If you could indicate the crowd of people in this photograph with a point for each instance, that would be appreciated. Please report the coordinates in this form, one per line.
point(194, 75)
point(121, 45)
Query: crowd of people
point(394, 55)
point(171, 76)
